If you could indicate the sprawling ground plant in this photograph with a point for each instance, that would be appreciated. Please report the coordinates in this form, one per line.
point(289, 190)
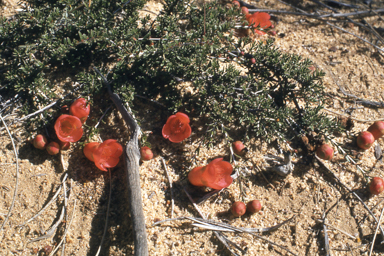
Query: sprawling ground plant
point(235, 82)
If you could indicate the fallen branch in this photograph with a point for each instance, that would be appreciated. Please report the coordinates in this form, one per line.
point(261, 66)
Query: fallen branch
point(132, 158)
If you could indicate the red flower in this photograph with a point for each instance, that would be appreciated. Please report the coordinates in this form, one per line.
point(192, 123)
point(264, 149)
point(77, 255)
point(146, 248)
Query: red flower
point(68, 128)
point(216, 175)
point(80, 108)
point(259, 19)
point(105, 155)
point(177, 128)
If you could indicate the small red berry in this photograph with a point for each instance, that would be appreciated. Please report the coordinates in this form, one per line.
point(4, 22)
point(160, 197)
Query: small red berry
point(377, 129)
point(53, 148)
point(365, 140)
point(40, 141)
point(238, 147)
point(376, 185)
point(244, 10)
point(253, 61)
point(325, 152)
point(238, 209)
point(146, 153)
point(254, 206)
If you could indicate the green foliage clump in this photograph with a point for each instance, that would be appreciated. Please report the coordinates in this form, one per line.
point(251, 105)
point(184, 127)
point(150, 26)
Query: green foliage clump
point(185, 44)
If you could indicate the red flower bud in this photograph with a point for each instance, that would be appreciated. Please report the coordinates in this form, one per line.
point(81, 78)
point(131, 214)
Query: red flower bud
point(377, 129)
point(325, 152)
point(53, 148)
point(365, 140)
point(238, 147)
point(216, 175)
point(40, 141)
point(254, 206)
point(81, 109)
point(107, 155)
point(238, 209)
point(376, 186)
point(68, 128)
point(146, 153)
point(244, 10)
point(177, 128)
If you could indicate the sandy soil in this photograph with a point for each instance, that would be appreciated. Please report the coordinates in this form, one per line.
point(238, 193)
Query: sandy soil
point(306, 193)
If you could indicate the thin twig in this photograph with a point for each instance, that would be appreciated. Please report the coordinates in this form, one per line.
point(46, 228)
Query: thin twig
point(65, 232)
point(374, 237)
point(101, 118)
point(106, 218)
point(219, 235)
point(17, 175)
point(326, 238)
point(170, 186)
point(52, 230)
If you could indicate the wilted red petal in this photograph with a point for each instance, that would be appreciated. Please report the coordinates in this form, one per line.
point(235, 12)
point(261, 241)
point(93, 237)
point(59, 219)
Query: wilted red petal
point(107, 155)
point(81, 109)
point(89, 149)
point(68, 128)
point(177, 128)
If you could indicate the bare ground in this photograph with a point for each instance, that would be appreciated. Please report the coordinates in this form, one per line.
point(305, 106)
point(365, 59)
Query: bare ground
point(306, 193)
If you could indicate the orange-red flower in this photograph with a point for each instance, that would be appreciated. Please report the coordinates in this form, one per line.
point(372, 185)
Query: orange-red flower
point(80, 108)
point(177, 128)
point(68, 128)
point(105, 155)
point(216, 175)
point(259, 19)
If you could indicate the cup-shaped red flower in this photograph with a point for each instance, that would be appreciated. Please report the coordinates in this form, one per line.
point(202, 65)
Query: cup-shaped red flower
point(107, 154)
point(177, 128)
point(68, 128)
point(216, 175)
point(81, 109)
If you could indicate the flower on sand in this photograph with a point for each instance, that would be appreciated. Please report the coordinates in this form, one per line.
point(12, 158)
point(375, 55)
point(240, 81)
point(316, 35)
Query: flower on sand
point(177, 128)
point(80, 108)
point(104, 155)
point(259, 19)
point(68, 128)
point(216, 175)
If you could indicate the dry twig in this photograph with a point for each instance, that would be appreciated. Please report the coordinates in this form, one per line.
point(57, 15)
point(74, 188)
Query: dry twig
point(374, 237)
point(17, 175)
point(170, 186)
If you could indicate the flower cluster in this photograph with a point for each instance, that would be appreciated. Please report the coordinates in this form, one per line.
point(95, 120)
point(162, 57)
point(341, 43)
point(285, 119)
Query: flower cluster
point(69, 127)
point(104, 155)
